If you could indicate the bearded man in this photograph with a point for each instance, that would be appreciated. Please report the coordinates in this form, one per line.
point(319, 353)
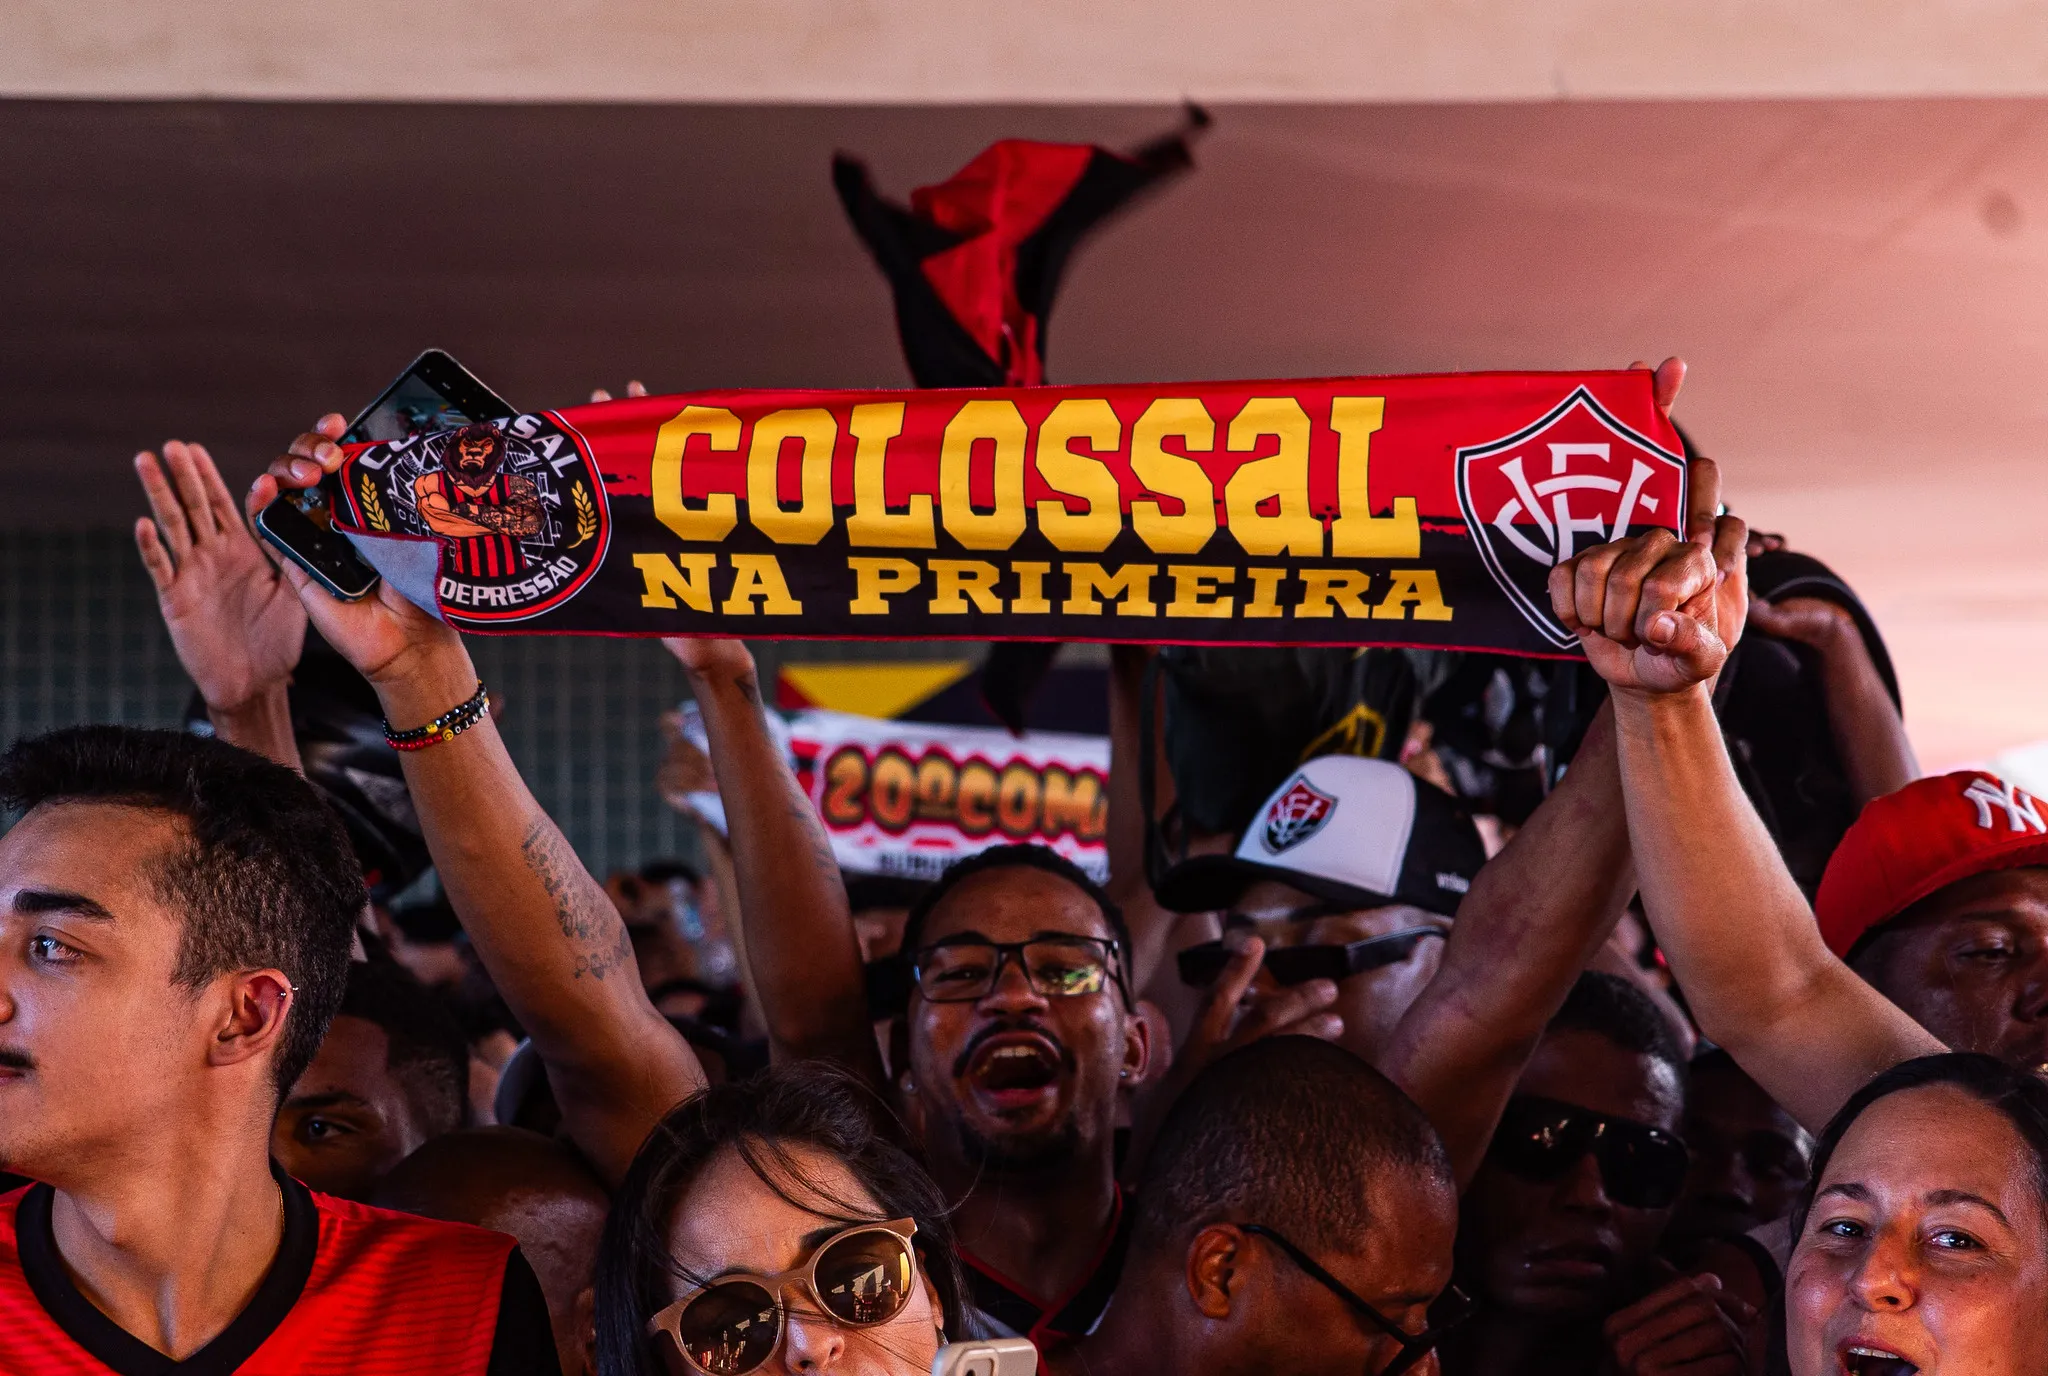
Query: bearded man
point(480, 511)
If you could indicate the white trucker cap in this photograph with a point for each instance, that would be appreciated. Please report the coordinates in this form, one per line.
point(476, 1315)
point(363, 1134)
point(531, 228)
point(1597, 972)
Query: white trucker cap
point(1361, 832)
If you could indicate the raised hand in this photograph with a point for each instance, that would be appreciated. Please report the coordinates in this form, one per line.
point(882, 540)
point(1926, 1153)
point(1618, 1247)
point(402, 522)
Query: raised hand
point(236, 624)
point(1691, 1325)
point(703, 655)
point(383, 635)
point(1232, 1016)
point(1812, 621)
point(633, 389)
point(1656, 614)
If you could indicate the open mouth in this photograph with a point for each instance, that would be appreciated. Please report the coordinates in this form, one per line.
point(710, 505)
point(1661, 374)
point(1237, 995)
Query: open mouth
point(1859, 1359)
point(1587, 1260)
point(1014, 1066)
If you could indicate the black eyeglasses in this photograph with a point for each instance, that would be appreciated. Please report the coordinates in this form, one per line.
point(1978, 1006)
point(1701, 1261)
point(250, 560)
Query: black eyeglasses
point(1201, 965)
point(965, 971)
point(1452, 1307)
point(1641, 1167)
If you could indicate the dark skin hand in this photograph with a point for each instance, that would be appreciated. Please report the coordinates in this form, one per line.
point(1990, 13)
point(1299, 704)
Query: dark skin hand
point(1690, 1327)
point(1869, 736)
point(1231, 1015)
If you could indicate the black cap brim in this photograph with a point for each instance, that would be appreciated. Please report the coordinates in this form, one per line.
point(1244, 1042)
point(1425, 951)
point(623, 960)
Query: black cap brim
point(1210, 883)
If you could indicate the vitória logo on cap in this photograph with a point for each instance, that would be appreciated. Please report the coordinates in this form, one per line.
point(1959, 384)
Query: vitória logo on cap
point(1297, 814)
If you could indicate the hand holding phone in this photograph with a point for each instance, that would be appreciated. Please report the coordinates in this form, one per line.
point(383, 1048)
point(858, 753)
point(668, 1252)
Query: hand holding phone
point(987, 1357)
point(433, 393)
point(310, 540)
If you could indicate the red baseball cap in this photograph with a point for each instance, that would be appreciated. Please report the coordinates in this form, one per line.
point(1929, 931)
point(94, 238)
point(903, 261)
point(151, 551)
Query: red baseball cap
point(1924, 837)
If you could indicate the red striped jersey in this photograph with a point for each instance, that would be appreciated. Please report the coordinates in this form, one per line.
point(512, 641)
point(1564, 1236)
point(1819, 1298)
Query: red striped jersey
point(482, 556)
point(355, 1291)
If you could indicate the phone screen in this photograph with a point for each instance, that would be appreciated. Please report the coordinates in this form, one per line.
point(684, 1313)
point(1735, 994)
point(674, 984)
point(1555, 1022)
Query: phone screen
point(434, 393)
point(307, 534)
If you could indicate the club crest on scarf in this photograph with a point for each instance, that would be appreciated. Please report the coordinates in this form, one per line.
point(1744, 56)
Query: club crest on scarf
point(522, 520)
point(1296, 815)
point(1576, 478)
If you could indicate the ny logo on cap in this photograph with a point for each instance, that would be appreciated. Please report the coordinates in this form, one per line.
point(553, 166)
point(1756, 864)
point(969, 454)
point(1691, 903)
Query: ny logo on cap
point(2021, 811)
point(1576, 478)
point(1296, 815)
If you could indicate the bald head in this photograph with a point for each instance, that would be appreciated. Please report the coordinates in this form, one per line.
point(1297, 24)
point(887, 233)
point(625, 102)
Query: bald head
point(514, 1181)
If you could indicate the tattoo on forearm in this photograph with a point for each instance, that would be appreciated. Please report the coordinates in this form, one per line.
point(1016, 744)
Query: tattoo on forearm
point(822, 857)
point(597, 935)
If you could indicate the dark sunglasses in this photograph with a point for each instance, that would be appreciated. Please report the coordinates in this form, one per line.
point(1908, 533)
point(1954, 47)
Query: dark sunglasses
point(1202, 965)
point(860, 1277)
point(1452, 1307)
point(966, 971)
point(1538, 1140)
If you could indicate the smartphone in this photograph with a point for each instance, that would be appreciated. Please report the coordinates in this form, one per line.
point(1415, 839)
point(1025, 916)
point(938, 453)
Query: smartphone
point(433, 393)
point(989, 1357)
point(301, 525)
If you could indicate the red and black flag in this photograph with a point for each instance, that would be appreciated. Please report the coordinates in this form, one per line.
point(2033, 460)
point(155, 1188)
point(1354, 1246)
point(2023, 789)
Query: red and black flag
point(974, 264)
point(975, 261)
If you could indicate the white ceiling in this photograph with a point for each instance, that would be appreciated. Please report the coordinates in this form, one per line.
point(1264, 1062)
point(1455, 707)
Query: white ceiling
point(1859, 286)
point(986, 51)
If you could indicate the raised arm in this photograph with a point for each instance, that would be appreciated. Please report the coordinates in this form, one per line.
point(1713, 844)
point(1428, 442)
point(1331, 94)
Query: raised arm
point(236, 624)
point(1869, 736)
point(1537, 913)
point(551, 940)
point(1656, 618)
point(793, 920)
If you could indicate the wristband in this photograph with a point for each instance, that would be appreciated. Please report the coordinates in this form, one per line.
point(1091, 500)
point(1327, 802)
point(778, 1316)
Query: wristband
point(445, 727)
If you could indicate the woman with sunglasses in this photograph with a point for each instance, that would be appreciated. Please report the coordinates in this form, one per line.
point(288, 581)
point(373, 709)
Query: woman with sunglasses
point(1921, 1245)
point(769, 1226)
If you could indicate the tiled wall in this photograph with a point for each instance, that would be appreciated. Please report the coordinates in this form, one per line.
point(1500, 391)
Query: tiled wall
point(80, 640)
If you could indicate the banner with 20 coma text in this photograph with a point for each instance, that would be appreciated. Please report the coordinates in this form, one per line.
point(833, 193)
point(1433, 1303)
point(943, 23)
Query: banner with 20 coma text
point(1420, 511)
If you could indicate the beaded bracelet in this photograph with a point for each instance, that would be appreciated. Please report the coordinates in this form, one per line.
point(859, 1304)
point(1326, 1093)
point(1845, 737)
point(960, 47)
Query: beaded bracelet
point(445, 727)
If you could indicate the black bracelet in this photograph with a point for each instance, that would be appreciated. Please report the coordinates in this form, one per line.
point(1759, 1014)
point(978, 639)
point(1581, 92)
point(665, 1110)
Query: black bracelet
point(445, 727)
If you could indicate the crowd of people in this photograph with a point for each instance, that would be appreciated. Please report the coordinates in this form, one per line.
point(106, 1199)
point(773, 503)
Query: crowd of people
point(1613, 1086)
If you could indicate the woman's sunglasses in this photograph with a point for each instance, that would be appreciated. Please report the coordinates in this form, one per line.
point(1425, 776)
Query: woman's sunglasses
point(1538, 1140)
point(859, 1278)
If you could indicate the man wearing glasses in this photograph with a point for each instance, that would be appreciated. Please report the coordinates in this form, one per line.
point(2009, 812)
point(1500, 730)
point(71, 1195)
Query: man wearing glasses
point(1562, 1223)
point(1294, 1218)
point(1351, 872)
point(1011, 1051)
point(1018, 1026)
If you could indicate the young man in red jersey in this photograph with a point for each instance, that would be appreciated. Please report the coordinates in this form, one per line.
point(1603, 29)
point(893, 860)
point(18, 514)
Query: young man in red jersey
point(175, 919)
